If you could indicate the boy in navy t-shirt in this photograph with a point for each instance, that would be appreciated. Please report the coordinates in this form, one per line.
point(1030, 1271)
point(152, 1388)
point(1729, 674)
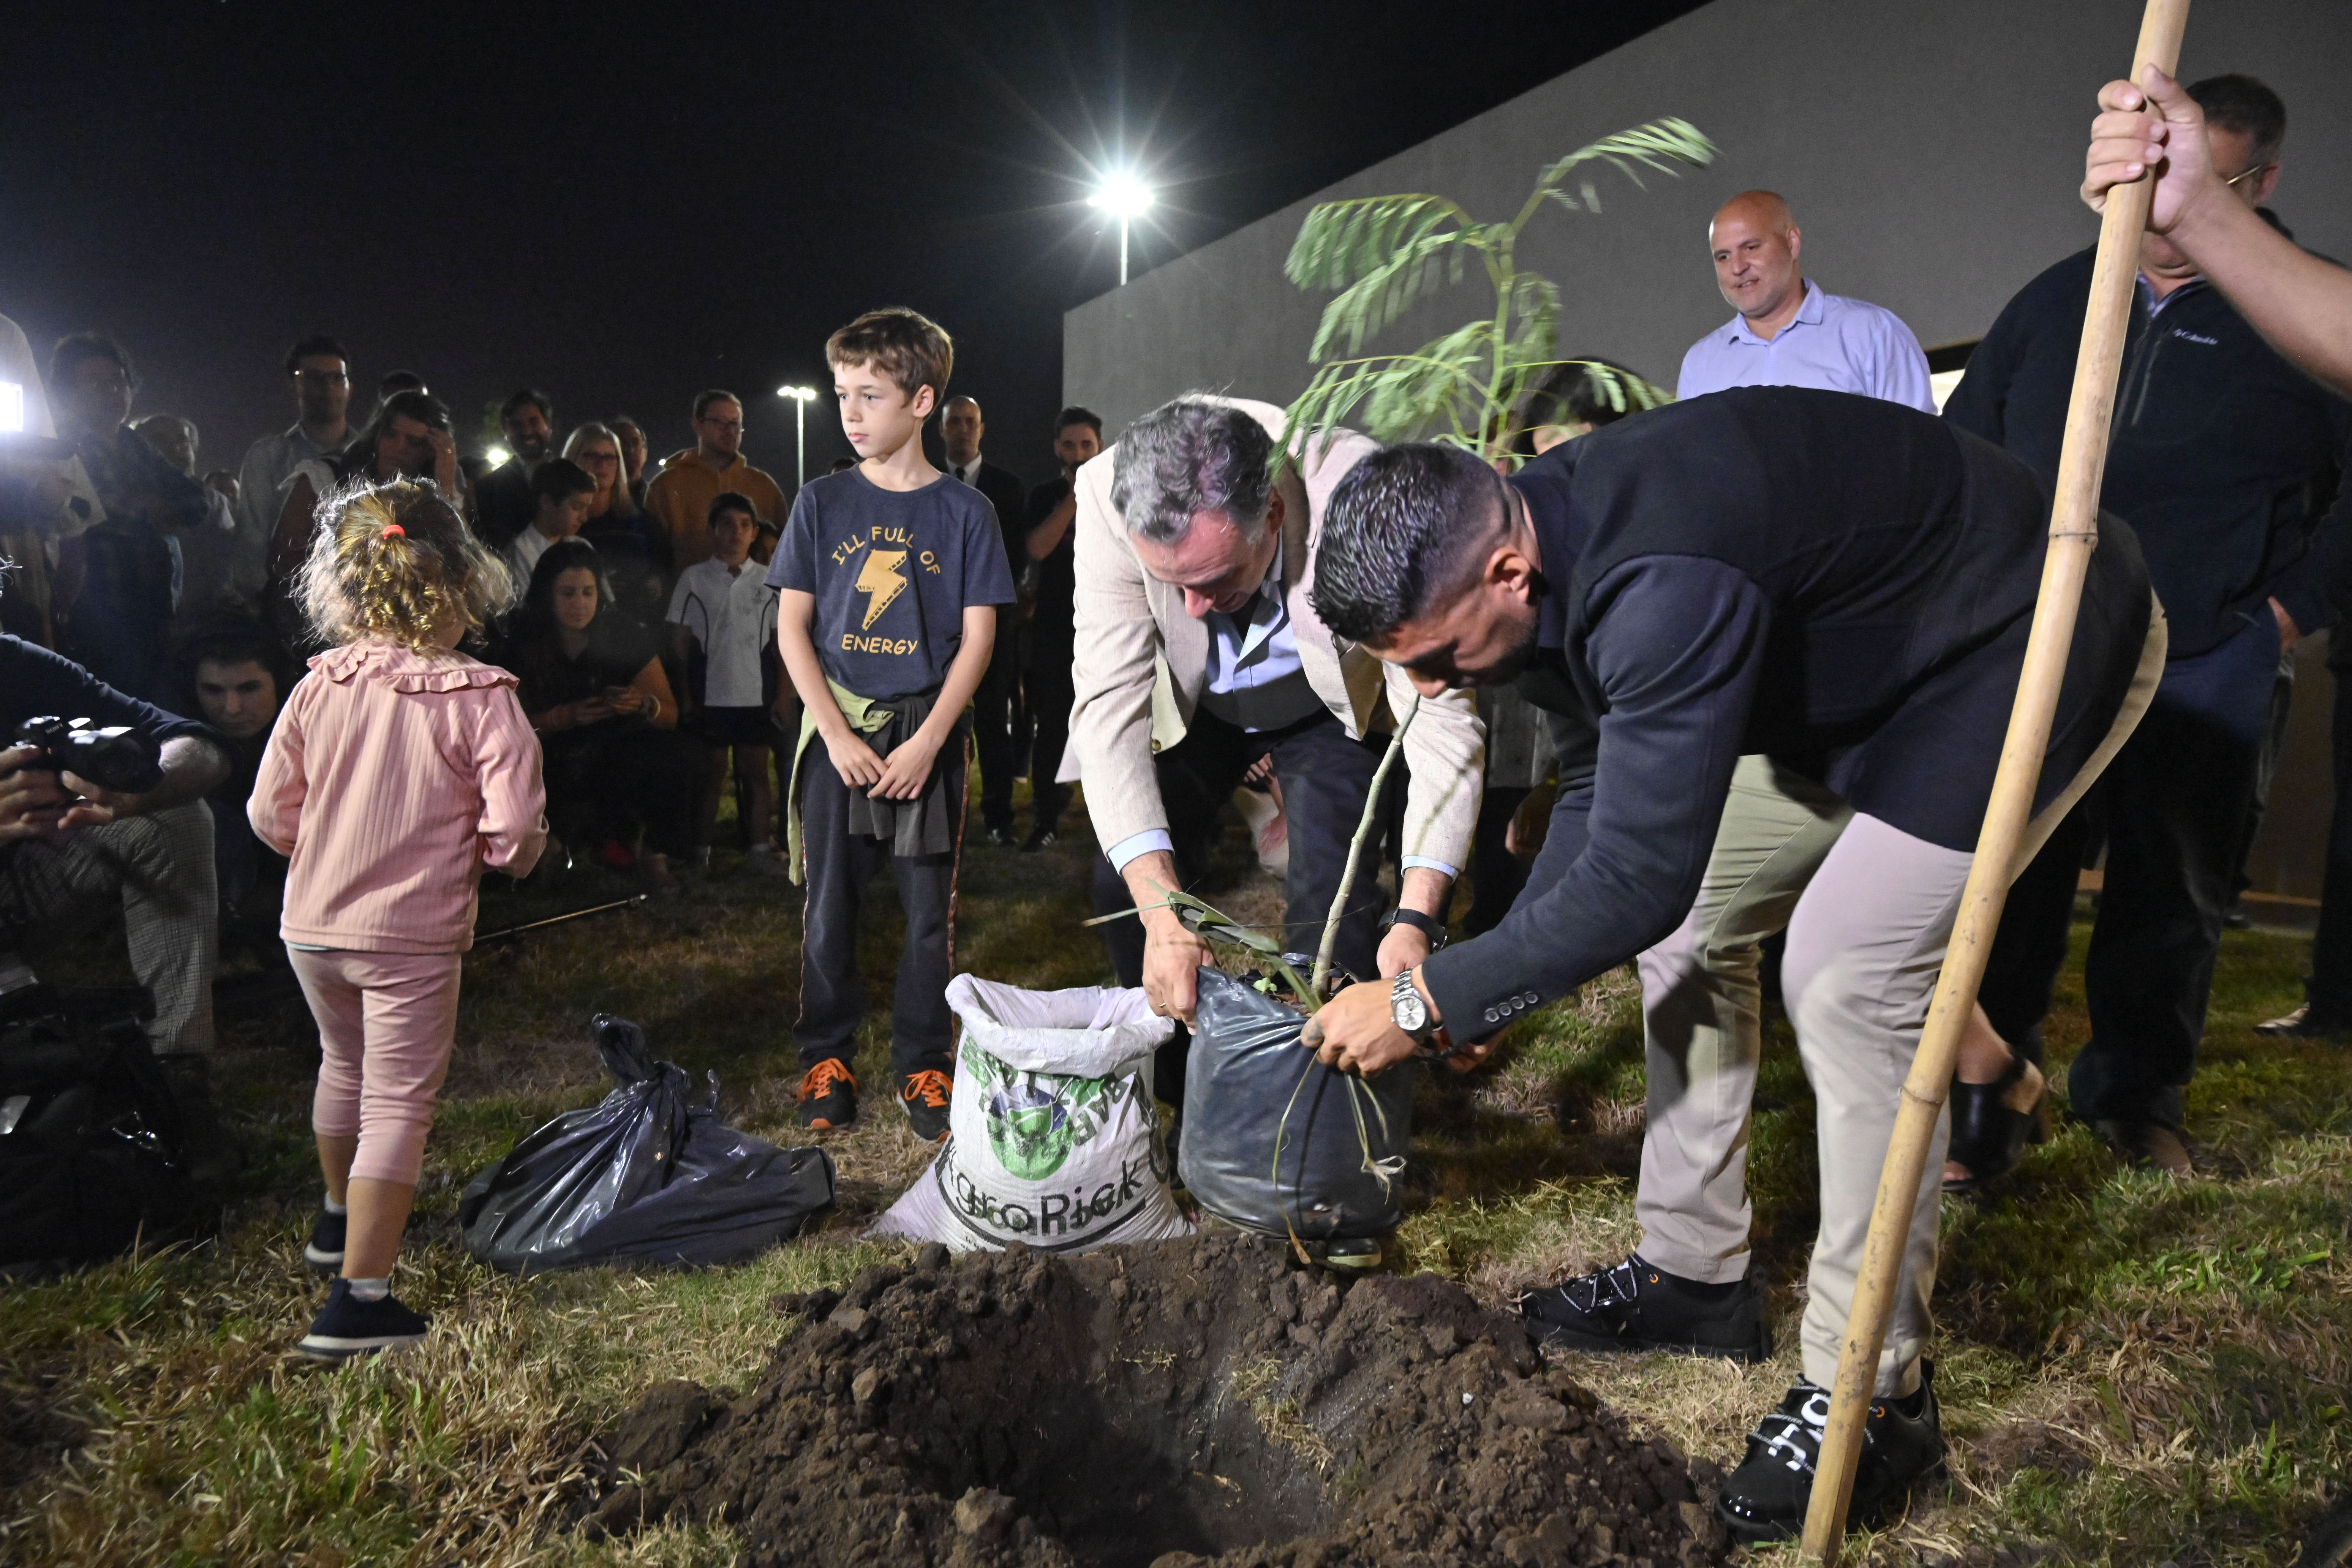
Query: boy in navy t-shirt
point(888, 576)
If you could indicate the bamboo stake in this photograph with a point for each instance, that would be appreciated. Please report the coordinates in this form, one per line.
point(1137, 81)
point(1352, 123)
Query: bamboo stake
point(2073, 534)
point(1355, 848)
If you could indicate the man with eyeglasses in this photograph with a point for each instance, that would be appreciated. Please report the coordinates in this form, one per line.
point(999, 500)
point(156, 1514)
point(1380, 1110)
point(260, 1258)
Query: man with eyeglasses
point(320, 373)
point(680, 496)
point(2220, 459)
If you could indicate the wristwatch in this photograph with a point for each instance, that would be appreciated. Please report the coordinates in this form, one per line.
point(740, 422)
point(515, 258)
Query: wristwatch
point(1409, 1011)
point(1429, 926)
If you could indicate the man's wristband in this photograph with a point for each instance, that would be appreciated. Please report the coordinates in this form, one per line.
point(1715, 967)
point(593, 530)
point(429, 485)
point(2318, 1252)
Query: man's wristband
point(1429, 926)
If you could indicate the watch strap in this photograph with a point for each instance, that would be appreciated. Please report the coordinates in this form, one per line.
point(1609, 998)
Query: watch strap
point(1429, 926)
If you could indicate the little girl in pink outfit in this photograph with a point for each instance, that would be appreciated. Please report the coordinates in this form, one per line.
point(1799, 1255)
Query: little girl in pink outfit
point(399, 770)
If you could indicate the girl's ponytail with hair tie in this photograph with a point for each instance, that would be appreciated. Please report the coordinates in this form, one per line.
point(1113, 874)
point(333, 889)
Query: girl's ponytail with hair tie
point(393, 530)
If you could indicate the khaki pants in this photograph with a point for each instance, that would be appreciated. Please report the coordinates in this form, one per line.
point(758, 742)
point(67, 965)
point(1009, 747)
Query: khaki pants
point(1868, 910)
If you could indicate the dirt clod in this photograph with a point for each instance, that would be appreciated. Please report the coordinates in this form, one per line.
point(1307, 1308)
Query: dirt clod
point(1203, 1402)
point(984, 1515)
point(664, 1422)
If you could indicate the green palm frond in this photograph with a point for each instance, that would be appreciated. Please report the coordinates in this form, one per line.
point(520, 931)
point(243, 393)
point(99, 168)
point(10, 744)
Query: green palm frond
point(1386, 291)
point(1425, 387)
point(1659, 145)
point(1340, 242)
point(1382, 255)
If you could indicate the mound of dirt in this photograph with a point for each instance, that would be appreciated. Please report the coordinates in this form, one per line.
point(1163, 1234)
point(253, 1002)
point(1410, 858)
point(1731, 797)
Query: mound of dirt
point(1168, 1406)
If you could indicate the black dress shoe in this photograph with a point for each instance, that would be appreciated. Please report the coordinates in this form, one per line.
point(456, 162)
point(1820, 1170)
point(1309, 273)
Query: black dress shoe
point(2150, 1146)
point(1637, 1306)
point(2302, 1025)
point(1992, 1122)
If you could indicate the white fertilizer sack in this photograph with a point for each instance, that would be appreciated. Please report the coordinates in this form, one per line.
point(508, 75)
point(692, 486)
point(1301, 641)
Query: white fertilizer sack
point(1052, 1136)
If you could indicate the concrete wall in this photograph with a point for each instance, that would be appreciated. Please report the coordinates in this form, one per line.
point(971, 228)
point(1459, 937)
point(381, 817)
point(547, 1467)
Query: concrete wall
point(1931, 154)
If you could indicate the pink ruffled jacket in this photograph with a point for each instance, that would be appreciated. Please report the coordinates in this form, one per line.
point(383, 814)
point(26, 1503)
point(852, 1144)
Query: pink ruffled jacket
point(392, 780)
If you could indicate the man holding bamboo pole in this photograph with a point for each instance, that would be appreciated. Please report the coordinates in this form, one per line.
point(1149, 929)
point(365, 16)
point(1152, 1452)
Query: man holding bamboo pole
point(2301, 303)
point(1831, 584)
point(2221, 455)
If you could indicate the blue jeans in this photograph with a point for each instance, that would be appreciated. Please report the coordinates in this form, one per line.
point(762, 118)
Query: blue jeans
point(2174, 803)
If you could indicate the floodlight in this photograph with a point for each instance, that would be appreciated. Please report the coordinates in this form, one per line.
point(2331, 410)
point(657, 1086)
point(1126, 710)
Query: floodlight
point(1126, 198)
point(1123, 197)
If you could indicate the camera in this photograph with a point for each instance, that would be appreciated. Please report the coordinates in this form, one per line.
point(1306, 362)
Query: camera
point(118, 758)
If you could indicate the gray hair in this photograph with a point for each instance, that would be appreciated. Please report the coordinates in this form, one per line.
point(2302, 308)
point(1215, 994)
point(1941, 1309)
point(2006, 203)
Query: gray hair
point(1189, 456)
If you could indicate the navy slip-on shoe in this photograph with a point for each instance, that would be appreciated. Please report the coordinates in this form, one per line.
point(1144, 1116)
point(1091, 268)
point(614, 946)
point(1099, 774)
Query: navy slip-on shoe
point(325, 1248)
point(346, 1327)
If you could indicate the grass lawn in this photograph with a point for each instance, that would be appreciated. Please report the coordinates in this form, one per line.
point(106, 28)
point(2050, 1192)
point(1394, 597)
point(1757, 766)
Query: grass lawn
point(2134, 1371)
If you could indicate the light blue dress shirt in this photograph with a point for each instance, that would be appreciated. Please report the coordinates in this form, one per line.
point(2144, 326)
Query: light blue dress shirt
point(1255, 682)
point(1835, 344)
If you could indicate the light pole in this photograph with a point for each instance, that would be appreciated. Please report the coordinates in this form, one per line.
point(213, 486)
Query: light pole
point(800, 396)
point(1126, 198)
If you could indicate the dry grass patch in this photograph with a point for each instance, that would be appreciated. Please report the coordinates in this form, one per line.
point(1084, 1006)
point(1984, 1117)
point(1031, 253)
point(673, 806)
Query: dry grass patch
point(2133, 1372)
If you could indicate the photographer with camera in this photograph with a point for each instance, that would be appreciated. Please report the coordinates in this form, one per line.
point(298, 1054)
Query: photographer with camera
point(137, 836)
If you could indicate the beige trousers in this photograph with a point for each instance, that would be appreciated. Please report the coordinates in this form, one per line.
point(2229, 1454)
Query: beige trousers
point(1868, 910)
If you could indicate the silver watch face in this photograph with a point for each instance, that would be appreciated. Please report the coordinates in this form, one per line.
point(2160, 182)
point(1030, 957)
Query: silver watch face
point(1405, 1005)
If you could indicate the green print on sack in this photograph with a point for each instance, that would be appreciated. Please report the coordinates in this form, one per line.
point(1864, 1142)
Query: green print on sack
point(1034, 1118)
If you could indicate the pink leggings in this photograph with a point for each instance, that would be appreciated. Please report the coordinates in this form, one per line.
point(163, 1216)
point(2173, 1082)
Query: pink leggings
point(386, 1021)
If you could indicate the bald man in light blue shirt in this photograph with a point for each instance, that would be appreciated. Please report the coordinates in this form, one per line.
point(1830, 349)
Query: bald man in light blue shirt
point(1787, 331)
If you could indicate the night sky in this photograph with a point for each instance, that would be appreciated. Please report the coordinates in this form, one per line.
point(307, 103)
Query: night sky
point(621, 205)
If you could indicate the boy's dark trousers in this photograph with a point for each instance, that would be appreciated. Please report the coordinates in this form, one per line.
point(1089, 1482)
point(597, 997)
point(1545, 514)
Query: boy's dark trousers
point(1326, 779)
point(839, 864)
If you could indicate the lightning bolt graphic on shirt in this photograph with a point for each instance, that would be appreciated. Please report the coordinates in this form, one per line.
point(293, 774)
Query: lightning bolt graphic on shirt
point(881, 581)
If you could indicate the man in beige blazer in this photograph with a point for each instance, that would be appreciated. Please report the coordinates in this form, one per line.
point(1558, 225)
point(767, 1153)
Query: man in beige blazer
point(1198, 656)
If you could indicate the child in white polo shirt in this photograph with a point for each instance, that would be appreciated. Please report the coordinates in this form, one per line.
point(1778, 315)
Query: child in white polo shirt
point(722, 620)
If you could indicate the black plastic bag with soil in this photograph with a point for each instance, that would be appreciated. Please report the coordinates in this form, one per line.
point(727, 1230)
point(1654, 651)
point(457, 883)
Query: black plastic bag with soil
point(1173, 1405)
point(648, 1175)
point(1248, 1081)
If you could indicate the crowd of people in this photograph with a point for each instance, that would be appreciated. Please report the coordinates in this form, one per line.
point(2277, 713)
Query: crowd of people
point(1704, 682)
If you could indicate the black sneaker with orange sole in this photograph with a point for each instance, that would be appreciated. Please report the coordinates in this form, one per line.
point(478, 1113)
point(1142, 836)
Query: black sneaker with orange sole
point(926, 1095)
point(828, 1096)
